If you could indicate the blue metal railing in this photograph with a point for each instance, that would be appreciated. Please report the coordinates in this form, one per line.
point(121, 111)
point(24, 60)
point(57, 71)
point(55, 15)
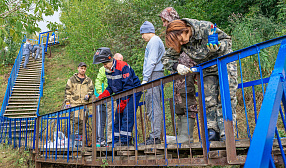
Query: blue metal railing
point(11, 80)
point(259, 153)
point(47, 35)
point(42, 79)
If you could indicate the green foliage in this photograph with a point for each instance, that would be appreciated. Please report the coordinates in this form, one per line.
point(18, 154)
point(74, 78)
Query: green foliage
point(18, 18)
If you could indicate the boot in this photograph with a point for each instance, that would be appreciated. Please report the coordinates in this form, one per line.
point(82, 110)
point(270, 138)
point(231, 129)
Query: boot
point(172, 139)
point(184, 136)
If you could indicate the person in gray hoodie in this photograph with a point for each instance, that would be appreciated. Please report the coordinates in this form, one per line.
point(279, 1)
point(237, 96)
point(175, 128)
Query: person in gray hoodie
point(153, 69)
point(27, 48)
point(37, 49)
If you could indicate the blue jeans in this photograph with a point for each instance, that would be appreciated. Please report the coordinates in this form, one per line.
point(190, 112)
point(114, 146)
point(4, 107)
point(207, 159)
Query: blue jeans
point(100, 122)
point(26, 60)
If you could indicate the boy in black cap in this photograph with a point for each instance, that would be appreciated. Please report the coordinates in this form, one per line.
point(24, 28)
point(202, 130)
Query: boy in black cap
point(120, 77)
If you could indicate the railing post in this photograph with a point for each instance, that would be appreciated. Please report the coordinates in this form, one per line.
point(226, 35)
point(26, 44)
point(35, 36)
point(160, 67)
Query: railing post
point(226, 111)
point(202, 121)
point(36, 151)
point(93, 133)
point(83, 135)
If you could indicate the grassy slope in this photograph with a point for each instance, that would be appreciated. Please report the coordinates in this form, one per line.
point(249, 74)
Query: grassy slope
point(58, 69)
point(4, 76)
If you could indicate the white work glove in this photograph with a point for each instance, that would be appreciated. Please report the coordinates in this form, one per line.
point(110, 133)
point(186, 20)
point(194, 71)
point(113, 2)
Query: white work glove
point(183, 70)
point(143, 82)
point(213, 48)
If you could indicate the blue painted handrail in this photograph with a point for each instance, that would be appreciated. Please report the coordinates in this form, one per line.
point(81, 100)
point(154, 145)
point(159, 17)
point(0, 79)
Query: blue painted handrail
point(42, 79)
point(259, 153)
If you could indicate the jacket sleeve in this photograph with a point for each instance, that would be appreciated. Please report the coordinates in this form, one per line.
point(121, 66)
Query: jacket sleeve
point(90, 89)
point(152, 59)
point(127, 79)
point(170, 59)
point(68, 91)
point(101, 78)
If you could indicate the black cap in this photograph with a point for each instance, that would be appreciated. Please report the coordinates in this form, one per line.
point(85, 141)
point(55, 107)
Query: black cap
point(81, 64)
point(102, 55)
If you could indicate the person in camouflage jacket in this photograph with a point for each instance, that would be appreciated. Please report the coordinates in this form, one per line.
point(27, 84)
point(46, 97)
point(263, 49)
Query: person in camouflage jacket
point(168, 15)
point(191, 36)
point(79, 90)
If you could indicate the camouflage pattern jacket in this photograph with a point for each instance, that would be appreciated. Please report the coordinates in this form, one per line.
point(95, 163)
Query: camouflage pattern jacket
point(75, 90)
point(197, 49)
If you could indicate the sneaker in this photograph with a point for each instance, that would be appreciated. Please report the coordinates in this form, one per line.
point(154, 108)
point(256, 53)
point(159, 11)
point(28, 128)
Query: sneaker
point(101, 144)
point(222, 138)
point(150, 141)
point(213, 136)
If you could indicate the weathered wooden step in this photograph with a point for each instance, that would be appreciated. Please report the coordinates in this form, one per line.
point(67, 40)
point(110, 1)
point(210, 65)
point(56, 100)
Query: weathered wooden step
point(11, 107)
point(25, 91)
point(19, 94)
point(18, 114)
point(23, 116)
point(21, 100)
point(26, 84)
point(23, 97)
point(26, 88)
point(17, 110)
point(27, 75)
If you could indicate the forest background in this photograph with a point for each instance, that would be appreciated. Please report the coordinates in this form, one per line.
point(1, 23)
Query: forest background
point(90, 24)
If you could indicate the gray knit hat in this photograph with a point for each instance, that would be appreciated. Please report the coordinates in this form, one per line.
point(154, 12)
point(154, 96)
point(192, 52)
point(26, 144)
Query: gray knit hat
point(147, 27)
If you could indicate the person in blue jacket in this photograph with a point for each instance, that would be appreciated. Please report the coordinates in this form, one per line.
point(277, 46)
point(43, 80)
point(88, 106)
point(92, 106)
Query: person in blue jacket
point(27, 48)
point(120, 77)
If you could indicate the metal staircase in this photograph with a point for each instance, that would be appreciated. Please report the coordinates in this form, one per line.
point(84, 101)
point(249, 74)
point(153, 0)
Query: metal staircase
point(23, 102)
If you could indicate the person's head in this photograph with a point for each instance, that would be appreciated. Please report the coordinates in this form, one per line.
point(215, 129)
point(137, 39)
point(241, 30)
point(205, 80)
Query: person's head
point(168, 15)
point(147, 31)
point(81, 68)
point(118, 57)
point(178, 33)
point(27, 40)
point(103, 55)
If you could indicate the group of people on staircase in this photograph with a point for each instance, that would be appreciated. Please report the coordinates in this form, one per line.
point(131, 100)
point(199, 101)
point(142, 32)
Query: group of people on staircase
point(187, 42)
point(27, 49)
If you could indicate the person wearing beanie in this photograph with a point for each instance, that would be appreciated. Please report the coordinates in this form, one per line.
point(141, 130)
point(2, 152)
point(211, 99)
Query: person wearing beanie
point(152, 70)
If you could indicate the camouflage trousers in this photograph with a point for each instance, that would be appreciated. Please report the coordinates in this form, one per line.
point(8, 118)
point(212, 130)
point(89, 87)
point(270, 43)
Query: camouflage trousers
point(213, 103)
point(181, 94)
